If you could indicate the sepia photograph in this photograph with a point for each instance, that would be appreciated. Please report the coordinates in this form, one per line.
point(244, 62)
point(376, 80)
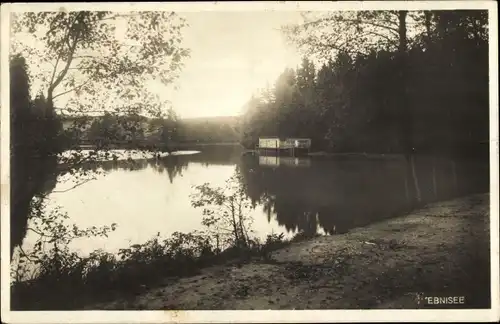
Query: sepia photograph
point(298, 157)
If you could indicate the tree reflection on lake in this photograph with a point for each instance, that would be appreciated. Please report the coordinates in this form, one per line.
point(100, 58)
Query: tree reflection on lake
point(313, 195)
point(340, 193)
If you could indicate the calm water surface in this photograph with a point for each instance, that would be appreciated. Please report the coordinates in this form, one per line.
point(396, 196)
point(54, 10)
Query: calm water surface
point(313, 195)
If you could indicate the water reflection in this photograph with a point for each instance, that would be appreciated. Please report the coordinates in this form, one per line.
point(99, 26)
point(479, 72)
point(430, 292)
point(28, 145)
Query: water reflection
point(276, 161)
point(30, 177)
point(223, 155)
point(338, 194)
point(310, 195)
point(174, 164)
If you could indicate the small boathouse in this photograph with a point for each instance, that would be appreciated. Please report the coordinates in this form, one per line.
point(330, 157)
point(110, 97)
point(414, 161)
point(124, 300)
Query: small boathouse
point(275, 145)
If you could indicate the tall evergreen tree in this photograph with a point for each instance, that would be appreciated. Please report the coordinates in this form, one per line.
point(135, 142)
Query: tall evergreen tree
point(33, 144)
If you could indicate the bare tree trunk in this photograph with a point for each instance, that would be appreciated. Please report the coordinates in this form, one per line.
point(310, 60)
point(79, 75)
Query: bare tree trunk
point(415, 178)
point(434, 182)
point(455, 177)
point(405, 111)
point(407, 190)
point(235, 224)
point(428, 17)
point(243, 234)
point(402, 30)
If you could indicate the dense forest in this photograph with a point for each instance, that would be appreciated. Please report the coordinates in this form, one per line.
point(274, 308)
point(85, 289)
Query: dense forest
point(427, 93)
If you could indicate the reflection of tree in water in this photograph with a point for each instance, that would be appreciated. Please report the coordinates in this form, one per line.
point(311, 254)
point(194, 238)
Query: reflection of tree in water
point(173, 165)
point(268, 202)
point(253, 182)
point(344, 193)
point(296, 216)
point(40, 179)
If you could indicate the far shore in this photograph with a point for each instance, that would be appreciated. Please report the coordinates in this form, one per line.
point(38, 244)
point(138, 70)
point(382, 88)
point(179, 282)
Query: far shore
point(441, 249)
point(333, 155)
point(348, 154)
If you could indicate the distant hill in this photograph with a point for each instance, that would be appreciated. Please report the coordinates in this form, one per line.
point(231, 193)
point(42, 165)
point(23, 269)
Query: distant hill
point(212, 119)
point(221, 129)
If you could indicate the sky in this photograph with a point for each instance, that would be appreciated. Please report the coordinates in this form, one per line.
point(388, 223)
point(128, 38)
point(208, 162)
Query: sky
point(233, 54)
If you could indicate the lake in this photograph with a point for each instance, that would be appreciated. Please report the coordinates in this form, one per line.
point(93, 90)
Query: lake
point(314, 195)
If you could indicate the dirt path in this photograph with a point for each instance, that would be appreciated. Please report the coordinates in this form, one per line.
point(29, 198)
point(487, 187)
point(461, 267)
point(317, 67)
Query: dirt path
point(440, 250)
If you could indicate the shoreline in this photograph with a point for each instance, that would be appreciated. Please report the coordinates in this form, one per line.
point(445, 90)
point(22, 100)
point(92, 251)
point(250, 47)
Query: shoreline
point(323, 154)
point(442, 248)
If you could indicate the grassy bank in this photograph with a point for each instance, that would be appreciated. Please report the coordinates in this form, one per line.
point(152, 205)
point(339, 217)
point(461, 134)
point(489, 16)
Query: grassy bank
point(439, 250)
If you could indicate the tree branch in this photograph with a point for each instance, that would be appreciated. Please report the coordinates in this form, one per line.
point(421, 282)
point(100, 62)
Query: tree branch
point(57, 60)
point(391, 29)
point(356, 21)
point(337, 47)
point(55, 70)
point(62, 74)
point(392, 41)
point(39, 233)
point(77, 185)
point(84, 56)
point(24, 253)
point(73, 89)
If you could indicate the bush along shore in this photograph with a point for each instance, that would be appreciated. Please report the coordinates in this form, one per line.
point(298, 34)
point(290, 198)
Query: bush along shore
point(75, 281)
point(439, 250)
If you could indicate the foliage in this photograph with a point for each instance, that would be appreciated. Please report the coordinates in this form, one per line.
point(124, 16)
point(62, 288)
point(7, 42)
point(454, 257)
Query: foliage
point(103, 276)
point(52, 264)
point(324, 34)
point(362, 99)
point(165, 130)
point(225, 212)
point(99, 62)
point(34, 142)
point(104, 57)
point(50, 255)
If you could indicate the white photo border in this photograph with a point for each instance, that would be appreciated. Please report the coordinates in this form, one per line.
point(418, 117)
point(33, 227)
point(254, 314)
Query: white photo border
point(256, 316)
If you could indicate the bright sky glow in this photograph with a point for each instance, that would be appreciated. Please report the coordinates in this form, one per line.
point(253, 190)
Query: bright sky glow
point(233, 54)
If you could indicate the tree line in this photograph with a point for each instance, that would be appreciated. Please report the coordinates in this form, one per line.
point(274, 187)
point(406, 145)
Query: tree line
point(111, 128)
point(385, 92)
point(164, 131)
